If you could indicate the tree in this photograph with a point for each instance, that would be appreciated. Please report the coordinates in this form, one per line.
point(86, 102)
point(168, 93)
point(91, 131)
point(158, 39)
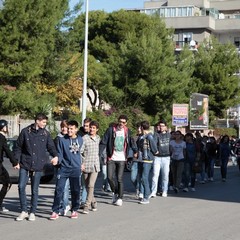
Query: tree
point(27, 37)
point(215, 68)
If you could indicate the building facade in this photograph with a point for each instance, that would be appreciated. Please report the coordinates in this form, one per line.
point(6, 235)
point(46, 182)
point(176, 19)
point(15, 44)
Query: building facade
point(198, 20)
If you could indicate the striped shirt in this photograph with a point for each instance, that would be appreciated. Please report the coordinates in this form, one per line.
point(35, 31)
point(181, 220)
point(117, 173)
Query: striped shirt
point(90, 153)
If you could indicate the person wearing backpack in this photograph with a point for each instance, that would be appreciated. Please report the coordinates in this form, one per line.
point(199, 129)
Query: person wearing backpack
point(147, 150)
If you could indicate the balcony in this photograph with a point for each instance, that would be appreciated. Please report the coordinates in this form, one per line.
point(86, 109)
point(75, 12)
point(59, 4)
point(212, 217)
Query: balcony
point(193, 22)
point(227, 24)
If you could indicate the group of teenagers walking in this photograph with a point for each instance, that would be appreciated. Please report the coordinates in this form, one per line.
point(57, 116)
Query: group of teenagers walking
point(76, 155)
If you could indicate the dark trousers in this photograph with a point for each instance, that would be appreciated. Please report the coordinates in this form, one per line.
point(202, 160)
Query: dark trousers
point(5, 179)
point(59, 191)
point(116, 169)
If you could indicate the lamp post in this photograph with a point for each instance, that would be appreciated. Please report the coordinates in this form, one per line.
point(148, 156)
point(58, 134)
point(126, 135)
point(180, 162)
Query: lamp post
point(84, 94)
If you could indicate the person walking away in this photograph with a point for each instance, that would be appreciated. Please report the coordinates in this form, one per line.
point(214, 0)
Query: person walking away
point(70, 162)
point(161, 163)
point(135, 177)
point(147, 149)
point(117, 141)
point(91, 164)
point(4, 176)
point(224, 151)
point(64, 206)
point(30, 152)
point(178, 154)
point(212, 155)
point(189, 176)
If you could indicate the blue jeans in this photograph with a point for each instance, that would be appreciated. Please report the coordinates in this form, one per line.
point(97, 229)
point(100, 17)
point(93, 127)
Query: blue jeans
point(84, 190)
point(65, 199)
point(161, 164)
point(35, 177)
point(144, 169)
point(106, 185)
point(189, 175)
point(211, 163)
point(59, 191)
point(135, 177)
point(224, 163)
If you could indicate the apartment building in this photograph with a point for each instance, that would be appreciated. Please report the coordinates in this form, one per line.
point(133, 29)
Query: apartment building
point(196, 20)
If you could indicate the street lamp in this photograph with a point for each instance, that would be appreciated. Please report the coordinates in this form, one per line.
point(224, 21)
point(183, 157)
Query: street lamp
point(84, 94)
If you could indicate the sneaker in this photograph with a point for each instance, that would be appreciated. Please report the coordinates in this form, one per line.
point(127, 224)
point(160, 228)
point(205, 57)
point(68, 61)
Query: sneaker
point(85, 210)
point(31, 217)
point(193, 189)
point(144, 201)
point(23, 215)
point(211, 179)
point(224, 179)
point(74, 215)
point(176, 190)
point(171, 188)
point(66, 210)
point(82, 206)
point(152, 195)
point(119, 202)
point(185, 190)
point(94, 206)
point(202, 182)
point(140, 196)
point(159, 193)
point(114, 198)
point(164, 194)
point(54, 216)
point(3, 210)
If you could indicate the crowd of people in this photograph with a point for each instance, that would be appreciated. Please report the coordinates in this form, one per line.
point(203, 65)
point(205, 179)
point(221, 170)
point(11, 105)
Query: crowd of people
point(161, 161)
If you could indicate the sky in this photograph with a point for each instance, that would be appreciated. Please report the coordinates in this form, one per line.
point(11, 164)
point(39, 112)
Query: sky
point(110, 5)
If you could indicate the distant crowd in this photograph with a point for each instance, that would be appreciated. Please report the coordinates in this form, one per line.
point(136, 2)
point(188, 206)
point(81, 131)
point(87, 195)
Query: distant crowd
point(79, 154)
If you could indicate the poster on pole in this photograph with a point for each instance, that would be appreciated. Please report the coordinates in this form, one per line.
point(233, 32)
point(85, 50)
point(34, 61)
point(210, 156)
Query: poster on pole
point(180, 115)
point(199, 116)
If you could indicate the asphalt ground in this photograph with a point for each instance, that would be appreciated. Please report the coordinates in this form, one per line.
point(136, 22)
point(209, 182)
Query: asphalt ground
point(210, 213)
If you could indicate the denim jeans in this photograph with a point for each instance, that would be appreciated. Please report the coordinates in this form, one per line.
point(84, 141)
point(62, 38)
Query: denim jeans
point(106, 185)
point(160, 165)
point(224, 163)
point(35, 177)
point(211, 163)
point(65, 199)
point(59, 190)
point(135, 177)
point(84, 190)
point(145, 169)
point(188, 175)
point(116, 168)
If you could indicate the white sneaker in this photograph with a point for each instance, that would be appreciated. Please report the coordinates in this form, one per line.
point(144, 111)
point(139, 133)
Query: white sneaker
point(119, 202)
point(164, 194)
point(66, 210)
point(171, 188)
point(3, 210)
point(23, 215)
point(31, 217)
point(152, 195)
point(185, 190)
point(193, 189)
point(140, 196)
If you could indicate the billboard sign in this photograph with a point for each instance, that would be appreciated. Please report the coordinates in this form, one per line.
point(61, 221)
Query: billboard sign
point(180, 115)
point(199, 116)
